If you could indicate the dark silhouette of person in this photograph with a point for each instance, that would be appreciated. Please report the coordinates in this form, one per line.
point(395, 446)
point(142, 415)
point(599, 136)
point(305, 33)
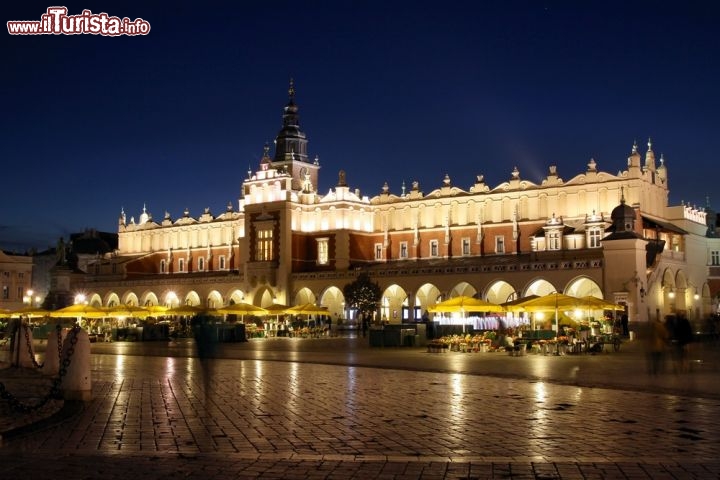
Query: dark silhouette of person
point(624, 324)
point(682, 336)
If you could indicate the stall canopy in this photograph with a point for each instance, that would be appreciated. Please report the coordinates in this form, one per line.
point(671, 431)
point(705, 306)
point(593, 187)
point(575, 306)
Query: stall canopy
point(464, 304)
point(127, 311)
point(553, 302)
point(79, 310)
point(30, 312)
point(189, 310)
point(242, 309)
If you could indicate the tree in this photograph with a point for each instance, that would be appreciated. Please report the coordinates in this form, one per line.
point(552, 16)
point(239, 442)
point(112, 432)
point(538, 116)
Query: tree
point(363, 294)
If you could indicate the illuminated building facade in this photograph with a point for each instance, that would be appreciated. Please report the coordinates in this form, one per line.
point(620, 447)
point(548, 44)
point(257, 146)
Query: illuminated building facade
point(595, 233)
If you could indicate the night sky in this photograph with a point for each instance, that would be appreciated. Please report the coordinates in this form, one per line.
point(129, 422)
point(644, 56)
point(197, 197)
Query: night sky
point(388, 91)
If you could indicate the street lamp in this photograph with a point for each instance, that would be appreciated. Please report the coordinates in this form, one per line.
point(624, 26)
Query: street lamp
point(170, 299)
point(28, 298)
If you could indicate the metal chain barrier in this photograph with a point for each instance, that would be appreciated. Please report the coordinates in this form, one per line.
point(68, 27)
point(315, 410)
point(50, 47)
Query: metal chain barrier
point(55, 390)
point(30, 352)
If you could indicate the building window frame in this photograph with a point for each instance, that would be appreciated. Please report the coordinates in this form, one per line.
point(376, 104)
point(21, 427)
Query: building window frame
point(715, 258)
point(221, 262)
point(378, 251)
point(264, 241)
point(500, 244)
point(434, 248)
point(594, 237)
point(163, 266)
point(465, 246)
point(181, 265)
point(403, 250)
point(323, 250)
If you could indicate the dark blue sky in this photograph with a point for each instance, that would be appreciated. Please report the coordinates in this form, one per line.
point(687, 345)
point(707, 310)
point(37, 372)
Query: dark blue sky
point(388, 91)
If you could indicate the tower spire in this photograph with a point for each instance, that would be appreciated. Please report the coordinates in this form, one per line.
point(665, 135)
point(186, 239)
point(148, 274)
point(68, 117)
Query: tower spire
point(291, 91)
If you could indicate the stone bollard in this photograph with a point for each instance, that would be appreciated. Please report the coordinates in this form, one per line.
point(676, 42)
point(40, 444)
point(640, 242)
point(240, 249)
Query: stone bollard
point(76, 383)
point(51, 366)
point(23, 353)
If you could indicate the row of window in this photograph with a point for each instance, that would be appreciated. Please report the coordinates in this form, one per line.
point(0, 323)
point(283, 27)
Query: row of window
point(200, 265)
point(20, 275)
point(6, 293)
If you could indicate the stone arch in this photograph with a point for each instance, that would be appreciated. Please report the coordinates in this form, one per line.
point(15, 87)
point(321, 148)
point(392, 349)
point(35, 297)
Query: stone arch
point(539, 286)
point(112, 299)
point(334, 299)
point(391, 303)
point(263, 297)
point(426, 295)
point(583, 286)
point(462, 288)
point(235, 296)
point(500, 291)
point(131, 298)
point(214, 299)
point(668, 292)
point(192, 298)
point(304, 295)
point(95, 300)
point(149, 298)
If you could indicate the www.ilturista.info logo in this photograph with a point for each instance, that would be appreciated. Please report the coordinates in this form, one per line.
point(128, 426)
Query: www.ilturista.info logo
point(56, 21)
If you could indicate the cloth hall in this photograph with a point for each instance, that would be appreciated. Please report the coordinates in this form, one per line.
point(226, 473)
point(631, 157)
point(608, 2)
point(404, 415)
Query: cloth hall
point(591, 232)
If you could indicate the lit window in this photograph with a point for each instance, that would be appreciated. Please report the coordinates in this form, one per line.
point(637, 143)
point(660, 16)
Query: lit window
point(594, 237)
point(403, 250)
point(264, 245)
point(553, 240)
point(322, 251)
point(499, 244)
point(378, 251)
point(715, 258)
point(434, 248)
point(466, 246)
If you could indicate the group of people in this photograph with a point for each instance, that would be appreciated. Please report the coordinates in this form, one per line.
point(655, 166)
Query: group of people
point(673, 335)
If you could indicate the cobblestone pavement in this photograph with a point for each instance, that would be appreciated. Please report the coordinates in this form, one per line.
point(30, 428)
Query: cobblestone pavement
point(336, 409)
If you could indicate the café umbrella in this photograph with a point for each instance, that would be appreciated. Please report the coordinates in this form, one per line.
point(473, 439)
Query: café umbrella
point(463, 305)
point(307, 309)
point(188, 310)
point(30, 312)
point(595, 303)
point(553, 302)
point(127, 311)
point(242, 309)
point(79, 310)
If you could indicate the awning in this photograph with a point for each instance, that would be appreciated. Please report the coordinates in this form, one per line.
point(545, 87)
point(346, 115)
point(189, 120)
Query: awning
point(653, 224)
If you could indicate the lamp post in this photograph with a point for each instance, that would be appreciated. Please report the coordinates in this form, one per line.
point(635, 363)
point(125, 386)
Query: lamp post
point(28, 298)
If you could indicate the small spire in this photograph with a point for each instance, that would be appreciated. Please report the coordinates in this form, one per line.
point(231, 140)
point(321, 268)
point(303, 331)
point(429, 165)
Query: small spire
point(662, 159)
point(291, 91)
point(649, 144)
point(622, 195)
point(266, 149)
point(634, 147)
point(403, 188)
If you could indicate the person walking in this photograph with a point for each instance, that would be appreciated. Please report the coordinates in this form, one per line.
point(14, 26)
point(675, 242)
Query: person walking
point(657, 341)
point(682, 336)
